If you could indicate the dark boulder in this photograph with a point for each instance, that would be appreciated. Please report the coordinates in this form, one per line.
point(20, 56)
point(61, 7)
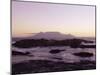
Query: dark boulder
point(87, 46)
point(20, 53)
point(83, 54)
point(55, 51)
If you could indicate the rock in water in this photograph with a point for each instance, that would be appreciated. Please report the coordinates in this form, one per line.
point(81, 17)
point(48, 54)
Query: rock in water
point(56, 51)
point(20, 53)
point(83, 54)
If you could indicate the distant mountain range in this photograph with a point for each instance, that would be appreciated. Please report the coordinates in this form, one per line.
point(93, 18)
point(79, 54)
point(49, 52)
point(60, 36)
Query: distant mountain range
point(51, 35)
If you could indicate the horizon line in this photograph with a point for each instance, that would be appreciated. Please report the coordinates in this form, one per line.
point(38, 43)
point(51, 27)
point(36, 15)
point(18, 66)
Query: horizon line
point(28, 34)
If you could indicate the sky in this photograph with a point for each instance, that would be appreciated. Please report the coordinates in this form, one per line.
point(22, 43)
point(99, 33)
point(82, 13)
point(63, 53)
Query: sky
point(34, 17)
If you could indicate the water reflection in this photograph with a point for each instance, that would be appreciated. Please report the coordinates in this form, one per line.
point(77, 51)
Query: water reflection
point(43, 53)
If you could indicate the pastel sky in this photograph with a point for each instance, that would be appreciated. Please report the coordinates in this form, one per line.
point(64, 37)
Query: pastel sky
point(33, 17)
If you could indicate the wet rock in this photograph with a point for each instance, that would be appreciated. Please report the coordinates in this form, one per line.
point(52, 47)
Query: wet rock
point(87, 46)
point(87, 62)
point(58, 58)
point(29, 43)
point(83, 54)
point(40, 66)
point(20, 53)
point(55, 51)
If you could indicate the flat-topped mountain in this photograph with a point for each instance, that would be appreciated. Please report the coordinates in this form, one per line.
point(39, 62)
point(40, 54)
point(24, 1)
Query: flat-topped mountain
point(52, 35)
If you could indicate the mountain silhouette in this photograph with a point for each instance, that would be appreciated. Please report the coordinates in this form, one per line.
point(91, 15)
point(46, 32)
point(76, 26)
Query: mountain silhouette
point(52, 35)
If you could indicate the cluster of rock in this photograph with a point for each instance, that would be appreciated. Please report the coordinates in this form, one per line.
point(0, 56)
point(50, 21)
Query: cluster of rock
point(21, 53)
point(40, 66)
point(74, 43)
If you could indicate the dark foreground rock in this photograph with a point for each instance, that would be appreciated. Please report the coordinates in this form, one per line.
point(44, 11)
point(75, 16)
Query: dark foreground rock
point(55, 51)
point(29, 43)
point(83, 54)
point(20, 53)
point(41, 66)
point(87, 46)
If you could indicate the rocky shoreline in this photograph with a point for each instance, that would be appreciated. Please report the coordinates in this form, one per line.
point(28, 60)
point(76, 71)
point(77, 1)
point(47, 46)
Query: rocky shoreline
point(41, 66)
point(73, 43)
